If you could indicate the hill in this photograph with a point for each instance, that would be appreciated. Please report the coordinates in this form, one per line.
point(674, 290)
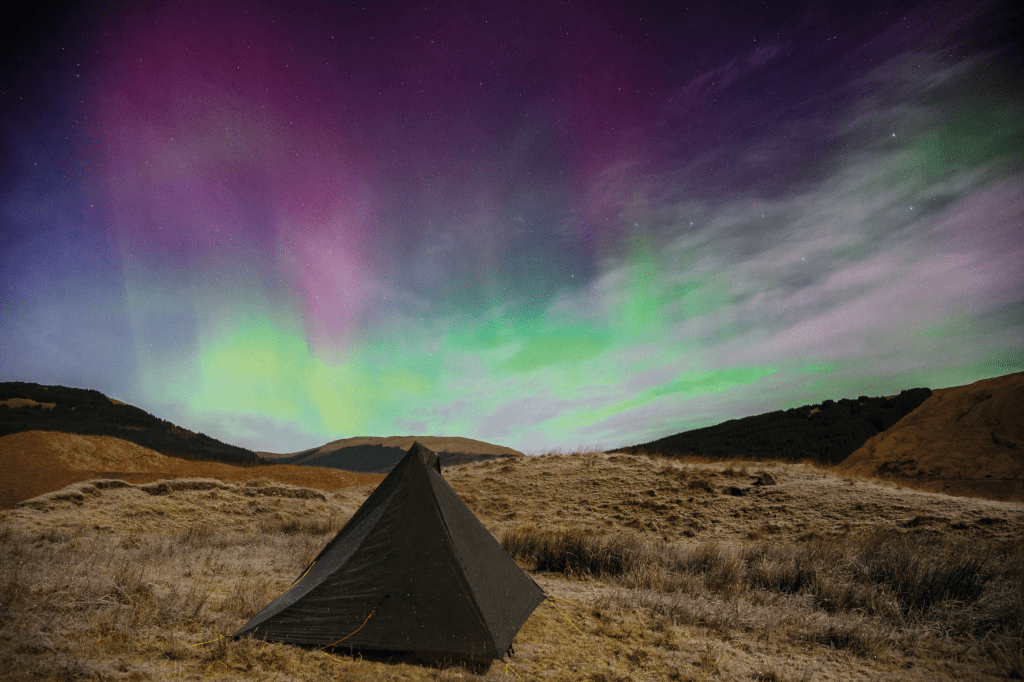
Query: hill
point(827, 433)
point(36, 462)
point(32, 407)
point(961, 440)
point(379, 455)
point(657, 570)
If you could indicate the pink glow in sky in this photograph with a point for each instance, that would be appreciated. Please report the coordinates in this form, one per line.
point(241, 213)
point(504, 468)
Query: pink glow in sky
point(539, 224)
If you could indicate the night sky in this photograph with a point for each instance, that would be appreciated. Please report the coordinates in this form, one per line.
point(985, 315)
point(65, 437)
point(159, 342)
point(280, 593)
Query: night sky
point(542, 224)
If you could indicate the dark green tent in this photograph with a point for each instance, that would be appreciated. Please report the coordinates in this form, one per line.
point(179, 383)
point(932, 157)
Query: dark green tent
point(413, 570)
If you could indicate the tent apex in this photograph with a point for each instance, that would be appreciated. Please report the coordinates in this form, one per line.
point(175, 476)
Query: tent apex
point(425, 455)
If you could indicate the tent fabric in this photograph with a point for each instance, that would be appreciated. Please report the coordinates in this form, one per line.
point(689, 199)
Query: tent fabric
point(413, 570)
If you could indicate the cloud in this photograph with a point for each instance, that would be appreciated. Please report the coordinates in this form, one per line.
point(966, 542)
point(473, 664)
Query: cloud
point(254, 432)
point(887, 266)
point(724, 75)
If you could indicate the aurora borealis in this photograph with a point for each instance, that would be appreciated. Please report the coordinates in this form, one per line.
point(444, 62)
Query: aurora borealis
point(543, 225)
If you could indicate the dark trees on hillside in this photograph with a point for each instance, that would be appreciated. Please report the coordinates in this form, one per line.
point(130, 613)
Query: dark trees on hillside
point(90, 413)
point(828, 435)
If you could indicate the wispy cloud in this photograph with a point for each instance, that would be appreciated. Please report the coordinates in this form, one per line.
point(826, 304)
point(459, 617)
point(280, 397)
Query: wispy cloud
point(719, 77)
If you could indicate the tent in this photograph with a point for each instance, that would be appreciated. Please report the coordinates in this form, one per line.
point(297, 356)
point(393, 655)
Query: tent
point(413, 570)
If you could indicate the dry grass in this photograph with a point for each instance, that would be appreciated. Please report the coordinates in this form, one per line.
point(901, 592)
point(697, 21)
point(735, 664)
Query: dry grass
point(661, 573)
point(862, 593)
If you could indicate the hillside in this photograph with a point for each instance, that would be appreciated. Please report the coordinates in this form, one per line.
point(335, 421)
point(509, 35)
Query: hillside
point(961, 440)
point(379, 455)
point(827, 433)
point(32, 407)
point(36, 462)
point(659, 570)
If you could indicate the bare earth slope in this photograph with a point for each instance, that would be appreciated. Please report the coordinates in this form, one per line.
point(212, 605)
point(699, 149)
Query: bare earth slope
point(37, 462)
point(962, 440)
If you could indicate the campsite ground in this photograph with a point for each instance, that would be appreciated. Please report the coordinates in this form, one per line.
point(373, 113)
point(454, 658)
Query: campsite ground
point(663, 571)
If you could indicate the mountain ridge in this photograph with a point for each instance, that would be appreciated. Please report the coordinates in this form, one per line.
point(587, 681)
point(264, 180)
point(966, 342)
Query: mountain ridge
point(825, 433)
point(373, 454)
point(86, 412)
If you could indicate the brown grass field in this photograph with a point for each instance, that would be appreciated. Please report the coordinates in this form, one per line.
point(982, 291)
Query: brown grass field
point(658, 570)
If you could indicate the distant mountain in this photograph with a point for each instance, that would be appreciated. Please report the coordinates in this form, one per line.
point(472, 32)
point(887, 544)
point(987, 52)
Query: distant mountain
point(379, 455)
point(826, 433)
point(962, 440)
point(32, 407)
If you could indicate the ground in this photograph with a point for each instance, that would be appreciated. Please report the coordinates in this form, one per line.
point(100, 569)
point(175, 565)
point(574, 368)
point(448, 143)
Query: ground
point(656, 570)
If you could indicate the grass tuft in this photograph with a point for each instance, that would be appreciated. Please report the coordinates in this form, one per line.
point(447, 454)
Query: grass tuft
point(871, 584)
point(248, 596)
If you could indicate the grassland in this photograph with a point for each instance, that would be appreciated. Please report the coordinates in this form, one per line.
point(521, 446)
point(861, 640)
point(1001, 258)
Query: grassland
point(659, 570)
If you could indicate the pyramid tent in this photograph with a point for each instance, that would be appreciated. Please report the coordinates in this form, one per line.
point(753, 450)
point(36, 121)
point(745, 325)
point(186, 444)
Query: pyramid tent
point(413, 570)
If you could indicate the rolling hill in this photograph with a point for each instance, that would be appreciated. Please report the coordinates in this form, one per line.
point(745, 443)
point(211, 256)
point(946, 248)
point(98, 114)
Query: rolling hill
point(961, 440)
point(379, 455)
point(33, 407)
point(55, 436)
point(966, 440)
point(827, 433)
point(36, 462)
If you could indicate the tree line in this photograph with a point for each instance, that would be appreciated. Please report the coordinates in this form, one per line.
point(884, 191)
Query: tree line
point(826, 433)
point(90, 413)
